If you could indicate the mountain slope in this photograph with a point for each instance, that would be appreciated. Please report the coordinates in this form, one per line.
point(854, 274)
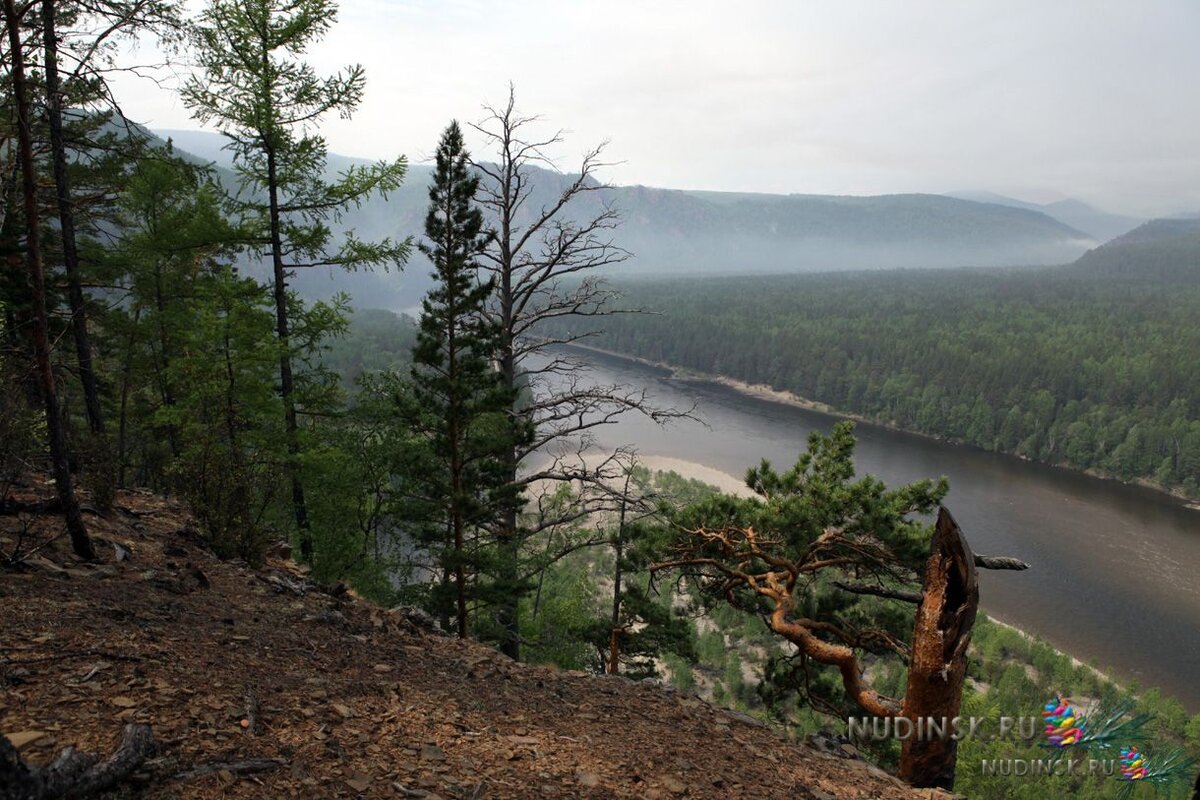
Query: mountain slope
point(1159, 249)
point(675, 231)
point(335, 697)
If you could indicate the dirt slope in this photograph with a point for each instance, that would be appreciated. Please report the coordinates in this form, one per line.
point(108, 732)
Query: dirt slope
point(229, 664)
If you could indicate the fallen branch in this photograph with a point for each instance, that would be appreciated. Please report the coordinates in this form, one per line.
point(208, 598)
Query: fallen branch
point(233, 767)
point(999, 562)
point(73, 774)
point(6, 661)
point(11, 507)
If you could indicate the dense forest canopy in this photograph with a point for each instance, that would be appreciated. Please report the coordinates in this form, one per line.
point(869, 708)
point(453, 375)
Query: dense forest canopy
point(1073, 366)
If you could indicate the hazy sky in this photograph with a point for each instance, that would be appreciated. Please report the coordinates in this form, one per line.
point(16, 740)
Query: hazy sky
point(1041, 100)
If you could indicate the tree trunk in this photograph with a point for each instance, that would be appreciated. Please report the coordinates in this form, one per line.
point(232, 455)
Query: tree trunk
point(73, 774)
point(457, 490)
point(287, 384)
point(60, 462)
point(938, 666)
point(66, 217)
point(508, 609)
point(614, 644)
point(123, 408)
point(165, 352)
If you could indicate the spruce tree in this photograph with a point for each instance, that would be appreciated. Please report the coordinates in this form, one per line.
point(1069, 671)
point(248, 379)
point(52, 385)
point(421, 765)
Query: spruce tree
point(460, 403)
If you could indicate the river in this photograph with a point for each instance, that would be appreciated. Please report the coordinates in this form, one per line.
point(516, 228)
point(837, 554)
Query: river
point(1114, 567)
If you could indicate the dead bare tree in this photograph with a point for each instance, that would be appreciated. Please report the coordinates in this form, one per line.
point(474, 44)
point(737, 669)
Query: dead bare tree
point(554, 241)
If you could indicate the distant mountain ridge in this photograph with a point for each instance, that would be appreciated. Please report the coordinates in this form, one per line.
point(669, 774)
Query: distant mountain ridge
point(1100, 225)
point(671, 231)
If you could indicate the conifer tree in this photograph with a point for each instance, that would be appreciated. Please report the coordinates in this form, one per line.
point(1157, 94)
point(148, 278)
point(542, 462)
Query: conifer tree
point(461, 404)
point(59, 456)
point(173, 245)
point(256, 89)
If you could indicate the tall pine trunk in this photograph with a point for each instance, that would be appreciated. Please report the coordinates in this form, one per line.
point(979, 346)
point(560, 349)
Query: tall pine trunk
point(508, 572)
point(457, 489)
point(66, 217)
point(287, 384)
point(41, 341)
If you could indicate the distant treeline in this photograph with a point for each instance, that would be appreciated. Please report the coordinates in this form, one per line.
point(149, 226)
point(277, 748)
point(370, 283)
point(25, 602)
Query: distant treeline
point(1058, 365)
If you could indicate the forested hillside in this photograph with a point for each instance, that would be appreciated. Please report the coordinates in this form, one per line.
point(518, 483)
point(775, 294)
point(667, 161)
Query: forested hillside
point(1066, 366)
point(1162, 249)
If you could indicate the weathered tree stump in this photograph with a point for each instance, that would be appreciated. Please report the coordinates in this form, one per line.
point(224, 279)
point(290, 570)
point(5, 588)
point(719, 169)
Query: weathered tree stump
point(938, 665)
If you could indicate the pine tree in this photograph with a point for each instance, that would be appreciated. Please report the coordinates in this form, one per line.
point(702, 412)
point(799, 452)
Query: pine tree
point(59, 456)
point(462, 406)
point(257, 91)
point(173, 237)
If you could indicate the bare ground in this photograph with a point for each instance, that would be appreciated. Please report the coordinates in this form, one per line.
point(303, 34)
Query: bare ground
point(336, 697)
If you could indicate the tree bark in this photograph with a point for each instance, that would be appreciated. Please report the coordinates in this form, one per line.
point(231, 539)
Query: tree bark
point(60, 462)
point(938, 666)
point(66, 217)
point(614, 645)
point(287, 383)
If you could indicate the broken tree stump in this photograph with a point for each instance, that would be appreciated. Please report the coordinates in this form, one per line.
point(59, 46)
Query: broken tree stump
point(72, 773)
point(938, 665)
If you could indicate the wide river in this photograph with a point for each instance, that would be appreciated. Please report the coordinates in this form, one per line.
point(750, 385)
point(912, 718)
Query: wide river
point(1115, 568)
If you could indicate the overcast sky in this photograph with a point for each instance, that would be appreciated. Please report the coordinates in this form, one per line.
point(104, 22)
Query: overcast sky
point(1040, 100)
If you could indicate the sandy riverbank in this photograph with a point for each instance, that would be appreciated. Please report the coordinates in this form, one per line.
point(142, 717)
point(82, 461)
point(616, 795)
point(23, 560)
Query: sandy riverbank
point(1024, 634)
point(691, 470)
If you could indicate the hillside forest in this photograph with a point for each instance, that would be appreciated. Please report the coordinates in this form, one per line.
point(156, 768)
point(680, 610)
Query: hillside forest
point(1083, 366)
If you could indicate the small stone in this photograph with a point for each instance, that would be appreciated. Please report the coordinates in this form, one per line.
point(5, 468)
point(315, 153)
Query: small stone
point(674, 785)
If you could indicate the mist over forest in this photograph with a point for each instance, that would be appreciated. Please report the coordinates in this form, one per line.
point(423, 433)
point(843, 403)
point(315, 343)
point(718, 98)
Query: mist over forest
point(677, 232)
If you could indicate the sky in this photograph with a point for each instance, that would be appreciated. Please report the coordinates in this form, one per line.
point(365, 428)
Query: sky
point(1039, 100)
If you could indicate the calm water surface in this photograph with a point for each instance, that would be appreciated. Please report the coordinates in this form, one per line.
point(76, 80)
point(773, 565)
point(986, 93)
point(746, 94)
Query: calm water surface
point(1115, 568)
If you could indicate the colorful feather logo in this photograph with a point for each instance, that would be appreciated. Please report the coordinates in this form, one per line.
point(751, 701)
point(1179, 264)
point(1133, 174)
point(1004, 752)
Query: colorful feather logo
point(1133, 764)
point(1138, 769)
point(1067, 726)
